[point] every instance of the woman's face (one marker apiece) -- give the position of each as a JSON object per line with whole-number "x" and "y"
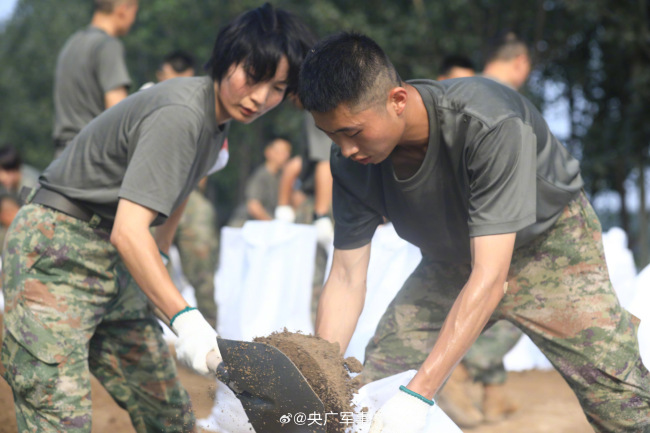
{"x": 240, "y": 99}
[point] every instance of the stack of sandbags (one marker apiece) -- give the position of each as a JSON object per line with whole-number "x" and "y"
{"x": 392, "y": 259}
{"x": 264, "y": 279}
{"x": 620, "y": 264}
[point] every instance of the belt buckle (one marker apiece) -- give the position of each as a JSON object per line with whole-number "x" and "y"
{"x": 95, "y": 221}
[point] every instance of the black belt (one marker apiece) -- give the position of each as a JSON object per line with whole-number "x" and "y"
{"x": 61, "y": 203}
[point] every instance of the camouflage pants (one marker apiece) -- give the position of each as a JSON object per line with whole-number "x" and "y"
{"x": 484, "y": 360}
{"x": 560, "y": 296}
{"x": 198, "y": 246}
{"x": 73, "y": 309}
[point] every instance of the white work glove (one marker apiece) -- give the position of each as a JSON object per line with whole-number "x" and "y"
{"x": 285, "y": 213}
{"x": 324, "y": 231}
{"x": 196, "y": 338}
{"x": 405, "y": 412}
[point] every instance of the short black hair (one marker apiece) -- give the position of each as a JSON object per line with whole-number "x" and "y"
{"x": 106, "y": 6}
{"x": 345, "y": 68}
{"x": 10, "y": 158}
{"x": 274, "y": 139}
{"x": 505, "y": 46}
{"x": 455, "y": 61}
{"x": 179, "y": 60}
{"x": 259, "y": 39}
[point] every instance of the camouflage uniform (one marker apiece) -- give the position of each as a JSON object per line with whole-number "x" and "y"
{"x": 560, "y": 295}
{"x": 198, "y": 246}
{"x": 484, "y": 360}
{"x": 73, "y": 309}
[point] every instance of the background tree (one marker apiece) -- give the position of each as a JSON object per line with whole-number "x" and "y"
{"x": 596, "y": 52}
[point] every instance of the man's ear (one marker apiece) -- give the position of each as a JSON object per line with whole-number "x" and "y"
{"x": 397, "y": 98}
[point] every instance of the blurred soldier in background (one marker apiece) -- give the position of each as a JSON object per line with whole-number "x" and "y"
{"x": 91, "y": 74}
{"x": 455, "y": 66}
{"x": 261, "y": 195}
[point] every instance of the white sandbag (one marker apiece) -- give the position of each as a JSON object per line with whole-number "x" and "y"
{"x": 392, "y": 259}
{"x": 640, "y": 304}
{"x": 375, "y": 394}
{"x": 264, "y": 279}
{"x": 228, "y": 415}
{"x": 620, "y": 264}
{"x": 228, "y": 282}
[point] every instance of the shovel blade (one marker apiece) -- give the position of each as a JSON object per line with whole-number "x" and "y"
{"x": 273, "y": 392}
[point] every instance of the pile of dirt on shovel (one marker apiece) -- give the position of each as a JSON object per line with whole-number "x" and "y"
{"x": 325, "y": 370}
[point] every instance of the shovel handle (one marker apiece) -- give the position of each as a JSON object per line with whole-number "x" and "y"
{"x": 213, "y": 360}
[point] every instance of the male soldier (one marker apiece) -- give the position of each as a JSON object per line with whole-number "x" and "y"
{"x": 81, "y": 264}
{"x": 468, "y": 171}
{"x": 508, "y": 61}
{"x": 455, "y": 66}
{"x": 175, "y": 64}
{"x": 261, "y": 195}
{"x": 91, "y": 73}
{"x": 312, "y": 169}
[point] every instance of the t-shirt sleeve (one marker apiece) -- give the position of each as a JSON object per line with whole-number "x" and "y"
{"x": 162, "y": 162}
{"x": 111, "y": 66}
{"x": 502, "y": 179}
{"x": 354, "y": 222}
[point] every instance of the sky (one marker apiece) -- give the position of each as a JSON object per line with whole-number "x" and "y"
{"x": 6, "y": 8}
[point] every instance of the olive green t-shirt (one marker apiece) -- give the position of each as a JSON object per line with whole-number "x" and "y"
{"x": 264, "y": 186}
{"x": 152, "y": 149}
{"x": 492, "y": 166}
{"x": 90, "y": 64}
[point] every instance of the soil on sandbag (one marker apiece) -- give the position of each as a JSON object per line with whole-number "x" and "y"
{"x": 325, "y": 370}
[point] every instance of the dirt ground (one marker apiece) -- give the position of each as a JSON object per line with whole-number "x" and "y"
{"x": 547, "y": 405}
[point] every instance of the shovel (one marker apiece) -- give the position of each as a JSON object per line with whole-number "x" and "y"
{"x": 274, "y": 393}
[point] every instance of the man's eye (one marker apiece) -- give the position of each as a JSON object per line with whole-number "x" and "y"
{"x": 355, "y": 134}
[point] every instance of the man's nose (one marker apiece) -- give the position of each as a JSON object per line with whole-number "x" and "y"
{"x": 348, "y": 148}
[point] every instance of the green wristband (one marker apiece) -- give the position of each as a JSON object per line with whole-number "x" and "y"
{"x": 416, "y": 395}
{"x": 164, "y": 256}
{"x": 184, "y": 310}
